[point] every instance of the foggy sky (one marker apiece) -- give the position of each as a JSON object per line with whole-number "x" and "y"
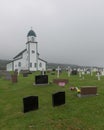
{"x": 68, "y": 31}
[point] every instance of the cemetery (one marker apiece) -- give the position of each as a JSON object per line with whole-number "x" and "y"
{"x": 26, "y": 106}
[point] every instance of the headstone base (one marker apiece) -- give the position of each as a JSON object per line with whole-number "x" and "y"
{"x": 87, "y": 95}
{"x": 39, "y": 84}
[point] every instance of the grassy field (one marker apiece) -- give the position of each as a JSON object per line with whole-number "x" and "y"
{"x": 76, "y": 114}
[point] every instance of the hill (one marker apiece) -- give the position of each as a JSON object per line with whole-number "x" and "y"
{"x": 49, "y": 65}
{"x": 63, "y": 66}
{"x": 3, "y": 64}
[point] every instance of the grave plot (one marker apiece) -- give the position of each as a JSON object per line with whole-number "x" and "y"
{"x": 25, "y": 74}
{"x": 87, "y": 91}
{"x": 60, "y": 82}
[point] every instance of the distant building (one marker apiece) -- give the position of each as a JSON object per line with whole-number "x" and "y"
{"x": 28, "y": 59}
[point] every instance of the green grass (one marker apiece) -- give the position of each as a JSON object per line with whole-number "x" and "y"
{"x": 77, "y": 113}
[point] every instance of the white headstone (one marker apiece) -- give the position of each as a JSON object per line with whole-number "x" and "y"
{"x": 98, "y": 76}
{"x": 80, "y": 74}
{"x": 69, "y": 71}
{"x": 83, "y": 72}
{"x": 102, "y": 73}
{"x": 58, "y": 72}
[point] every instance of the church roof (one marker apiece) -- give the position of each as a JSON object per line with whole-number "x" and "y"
{"x": 42, "y": 60}
{"x": 31, "y": 33}
{"x": 20, "y": 54}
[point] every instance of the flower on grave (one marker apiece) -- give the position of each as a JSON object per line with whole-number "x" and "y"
{"x": 72, "y": 88}
{"x": 78, "y": 90}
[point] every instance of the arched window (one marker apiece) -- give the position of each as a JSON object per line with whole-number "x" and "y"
{"x": 19, "y": 64}
{"x": 30, "y": 64}
{"x": 32, "y": 39}
{"x": 33, "y": 51}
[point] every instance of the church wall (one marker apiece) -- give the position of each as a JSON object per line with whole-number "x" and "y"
{"x": 24, "y": 61}
{"x": 33, "y": 57}
{"x": 41, "y": 65}
{"x": 21, "y": 64}
{"x": 9, "y": 66}
{"x": 16, "y": 64}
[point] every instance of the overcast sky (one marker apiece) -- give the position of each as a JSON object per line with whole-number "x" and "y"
{"x": 68, "y": 31}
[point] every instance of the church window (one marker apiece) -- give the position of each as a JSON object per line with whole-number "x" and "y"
{"x": 32, "y": 39}
{"x": 40, "y": 64}
{"x": 35, "y": 65}
{"x": 33, "y": 51}
{"x": 19, "y": 64}
{"x": 30, "y": 64}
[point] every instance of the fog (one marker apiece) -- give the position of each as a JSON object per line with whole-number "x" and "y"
{"x": 68, "y": 31}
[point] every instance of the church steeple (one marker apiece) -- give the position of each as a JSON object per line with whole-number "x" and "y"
{"x": 31, "y": 36}
{"x": 32, "y": 50}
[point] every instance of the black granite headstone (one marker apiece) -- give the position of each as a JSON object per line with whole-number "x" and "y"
{"x": 30, "y": 103}
{"x": 58, "y": 98}
{"x": 41, "y": 79}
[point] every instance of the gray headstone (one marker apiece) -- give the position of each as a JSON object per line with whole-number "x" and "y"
{"x": 7, "y": 76}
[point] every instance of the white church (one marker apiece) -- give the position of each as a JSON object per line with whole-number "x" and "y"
{"x": 28, "y": 59}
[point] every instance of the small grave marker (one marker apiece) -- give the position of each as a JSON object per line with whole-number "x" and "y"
{"x": 69, "y": 71}
{"x": 98, "y": 75}
{"x": 7, "y": 76}
{"x": 14, "y": 78}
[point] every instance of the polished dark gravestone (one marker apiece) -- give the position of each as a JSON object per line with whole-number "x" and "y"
{"x": 41, "y": 79}
{"x": 30, "y": 103}
{"x": 58, "y": 98}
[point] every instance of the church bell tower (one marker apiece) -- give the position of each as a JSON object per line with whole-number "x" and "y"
{"x": 32, "y": 51}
